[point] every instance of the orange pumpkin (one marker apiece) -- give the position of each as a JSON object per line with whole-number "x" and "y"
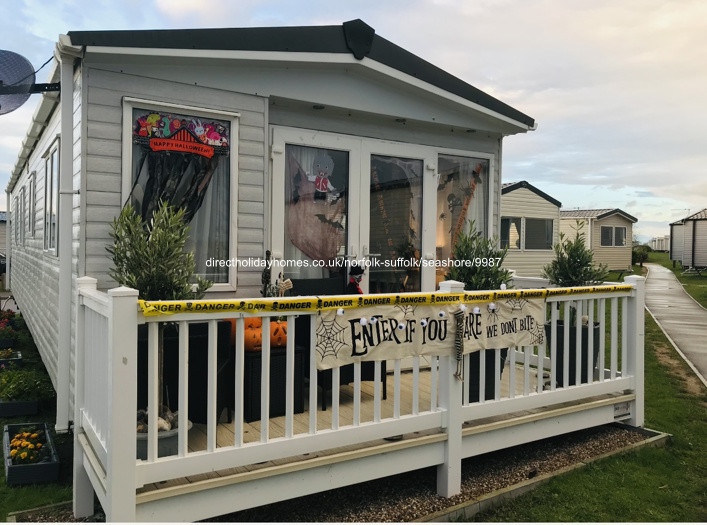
{"x": 253, "y": 333}
{"x": 278, "y": 334}
{"x": 253, "y": 322}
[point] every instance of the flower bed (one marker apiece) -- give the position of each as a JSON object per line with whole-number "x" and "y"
{"x": 30, "y": 454}
{"x": 7, "y": 334}
{"x": 10, "y": 357}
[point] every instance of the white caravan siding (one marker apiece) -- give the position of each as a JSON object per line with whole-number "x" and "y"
{"x": 106, "y": 90}
{"x": 676, "y": 242}
{"x": 695, "y": 252}
{"x": 524, "y": 203}
{"x": 688, "y": 236}
{"x": 34, "y": 271}
{"x": 700, "y": 243}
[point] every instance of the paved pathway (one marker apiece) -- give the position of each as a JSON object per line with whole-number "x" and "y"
{"x": 680, "y": 317}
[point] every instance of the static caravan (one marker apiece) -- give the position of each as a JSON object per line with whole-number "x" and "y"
{"x": 320, "y": 144}
{"x": 677, "y": 241}
{"x": 530, "y": 227}
{"x": 609, "y": 233}
{"x": 660, "y": 244}
{"x": 695, "y": 240}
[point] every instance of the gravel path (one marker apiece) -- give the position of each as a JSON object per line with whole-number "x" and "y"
{"x": 410, "y": 496}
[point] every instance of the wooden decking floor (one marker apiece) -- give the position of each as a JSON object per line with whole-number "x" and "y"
{"x": 301, "y": 422}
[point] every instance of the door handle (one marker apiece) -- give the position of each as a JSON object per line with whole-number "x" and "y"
{"x": 366, "y": 254}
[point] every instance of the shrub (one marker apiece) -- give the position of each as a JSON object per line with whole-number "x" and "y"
{"x": 639, "y": 254}
{"x": 574, "y": 263}
{"x": 484, "y": 271}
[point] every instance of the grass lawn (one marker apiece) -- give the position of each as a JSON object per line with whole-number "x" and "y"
{"x": 648, "y": 485}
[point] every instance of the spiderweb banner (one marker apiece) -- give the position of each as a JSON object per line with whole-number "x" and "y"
{"x": 396, "y": 331}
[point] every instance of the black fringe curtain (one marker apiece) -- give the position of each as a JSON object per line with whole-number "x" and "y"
{"x": 181, "y": 179}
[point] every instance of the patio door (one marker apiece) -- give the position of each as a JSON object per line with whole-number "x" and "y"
{"x": 316, "y": 198}
{"x": 394, "y": 207}
{"x": 395, "y": 231}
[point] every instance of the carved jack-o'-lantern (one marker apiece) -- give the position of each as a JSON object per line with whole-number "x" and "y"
{"x": 278, "y": 334}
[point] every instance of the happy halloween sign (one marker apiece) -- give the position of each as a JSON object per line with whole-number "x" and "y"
{"x": 405, "y": 330}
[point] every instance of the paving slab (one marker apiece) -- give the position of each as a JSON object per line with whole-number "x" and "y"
{"x": 682, "y": 318}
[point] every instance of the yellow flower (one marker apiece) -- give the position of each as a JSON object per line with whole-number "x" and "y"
{"x": 34, "y": 436}
{"x": 13, "y": 453}
{"x": 23, "y": 455}
{"x": 39, "y": 445}
{"x": 30, "y": 446}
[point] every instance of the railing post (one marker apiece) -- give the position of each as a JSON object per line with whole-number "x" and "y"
{"x": 636, "y": 329}
{"x": 449, "y": 473}
{"x": 122, "y": 337}
{"x": 82, "y": 489}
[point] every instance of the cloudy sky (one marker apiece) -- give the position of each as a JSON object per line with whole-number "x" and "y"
{"x": 618, "y": 87}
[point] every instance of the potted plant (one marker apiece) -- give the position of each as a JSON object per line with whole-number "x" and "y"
{"x": 573, "y": 266}
{"x": 30, "y": 454}
{"x": 150, "y": 257}
{"x": 7, "y": 334}
{"x": 471, "y": 245}
{"x": 21, "y": 390}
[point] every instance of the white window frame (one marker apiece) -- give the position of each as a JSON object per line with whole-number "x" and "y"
{"x": 32, "y": 204}
{"x": 51, "y": 185}
{"x": 22, "y": 210}
{"x": 523, "y": 231}
{"x": 130, "y": 103}
{"x": 613, "y": 237}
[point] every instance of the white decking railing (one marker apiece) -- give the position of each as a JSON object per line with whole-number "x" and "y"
{"x": 431, "y": 404}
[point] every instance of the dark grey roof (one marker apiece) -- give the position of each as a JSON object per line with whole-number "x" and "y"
{"x": 596, "y": 214}
{"x": 699, "y": 216}
{"x": 355, "y": 37}
{"x": 512, "y": 186}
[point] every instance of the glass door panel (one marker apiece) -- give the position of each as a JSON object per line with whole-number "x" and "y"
{"x": 395, "y": 226}
{"x": 316, "y": 214}
{"x": 462, "y": 196}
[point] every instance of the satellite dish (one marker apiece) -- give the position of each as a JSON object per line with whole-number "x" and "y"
{"x": 17, "y": 81}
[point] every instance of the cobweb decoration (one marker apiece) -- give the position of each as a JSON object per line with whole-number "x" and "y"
{"x": 537, "y": 335}
{"x": 330, "y": 338}
{"x": 517, "y": 304}
{"x": 406, "y": 309}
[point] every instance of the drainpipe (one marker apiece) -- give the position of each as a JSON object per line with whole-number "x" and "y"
{"x": 8, "y": 237}
{"x": 65, "y": 54}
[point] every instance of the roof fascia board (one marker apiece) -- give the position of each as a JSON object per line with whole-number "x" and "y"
{"x": 530, "y": 187}
{"x": 618, "y": 212}
{"x": 303, "y": 58}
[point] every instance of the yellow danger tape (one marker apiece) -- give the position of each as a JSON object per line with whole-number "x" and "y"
{"x": 280, "y": 305}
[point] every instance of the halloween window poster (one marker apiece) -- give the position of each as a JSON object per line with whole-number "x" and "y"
{"x": 316, "y": 209}
{"x": 462, "y": 195}
{"x": 183, "y": 160}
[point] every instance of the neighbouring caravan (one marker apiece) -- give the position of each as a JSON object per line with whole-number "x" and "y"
{"x": 608, "y": 232}
{"x": 530, "y": 227}
{"x": 695, "y": 240}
